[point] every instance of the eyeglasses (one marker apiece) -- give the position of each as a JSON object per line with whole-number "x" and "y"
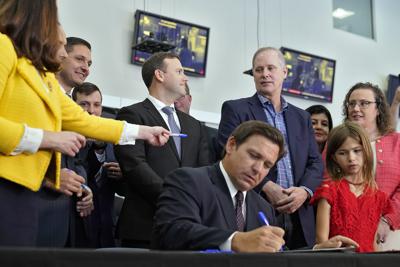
{"x": 363, "y": 104}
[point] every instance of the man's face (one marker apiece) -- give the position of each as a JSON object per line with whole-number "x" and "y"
{"x": 174, "y": 78}
{"x": 249, "y": 163}
{"x": 75, "y": 68}
{"x": 183, "y": 103}
{"x": 268, "y": 73}
{"x": 90, "y": 103}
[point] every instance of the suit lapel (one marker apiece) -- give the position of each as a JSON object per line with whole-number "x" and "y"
{"x": 185, "y": 128}
{"x": 251, "y": 211}
{"x": 223, "y": 197}
{"x": 257, "y": 109}
{"x": 32, "y": 77}
{"x": 291, "y": 119}
{"x": 110, "y": 153}
{"x": 160, "y": 121}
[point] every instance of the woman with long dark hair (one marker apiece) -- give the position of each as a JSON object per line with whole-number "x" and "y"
{"x": 321, "y": 120}
{"x": 37, "y": 121}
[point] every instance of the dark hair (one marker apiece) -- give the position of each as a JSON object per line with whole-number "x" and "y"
{"x": 72, "y": 41}
{"x": 319, "y": 109}
{"x": 250, "y": 128}
{"x": 383, "y": 120}
{"x": 336, "y": 138}
{"x": 156, "y": 61}
{"x": 85, "y": 88}
{"x": 34, "y": 30}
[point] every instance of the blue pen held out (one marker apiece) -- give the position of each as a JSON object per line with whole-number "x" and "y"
{"x": 181, "y": 135}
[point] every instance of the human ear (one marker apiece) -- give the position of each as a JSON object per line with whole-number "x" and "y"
{"x": 230, "y": 145}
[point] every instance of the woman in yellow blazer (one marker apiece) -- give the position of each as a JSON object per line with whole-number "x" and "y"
{"x": 37, "y": 121}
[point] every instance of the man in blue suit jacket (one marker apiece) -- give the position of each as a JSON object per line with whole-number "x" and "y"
{"x": 200, "y": 208}
{"x": 103, "y": 173}
{"x": 292, "y": 182}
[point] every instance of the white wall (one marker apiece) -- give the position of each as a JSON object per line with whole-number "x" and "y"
{"x": 304, "y": 25}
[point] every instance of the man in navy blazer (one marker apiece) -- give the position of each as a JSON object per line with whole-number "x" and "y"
{"x": 200, "y": 208}
{"x": 103, "y": 172}
{"x": 292, "y": 182}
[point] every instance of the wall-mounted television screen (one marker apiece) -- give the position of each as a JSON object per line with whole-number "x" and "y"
{"x": 309, "y": 76}
{"x": 393, "y": 83}
{"x": 155, "y": 33}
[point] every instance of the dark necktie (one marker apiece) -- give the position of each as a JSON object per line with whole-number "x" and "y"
{"x": 173, "y": 127}
{"x": 239, "y": 211}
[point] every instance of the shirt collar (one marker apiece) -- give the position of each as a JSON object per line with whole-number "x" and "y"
{"x": 266, "y": 101}
{"x": 65, "y": 91}
{"x": 231, "y": 187}
{"x": 158, "y": 104}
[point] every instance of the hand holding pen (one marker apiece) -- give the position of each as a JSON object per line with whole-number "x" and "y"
{"x": 263, "y": 219}
{"x": 262, "y": 239}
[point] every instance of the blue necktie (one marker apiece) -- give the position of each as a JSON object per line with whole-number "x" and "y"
{"x": 173, "y": 127}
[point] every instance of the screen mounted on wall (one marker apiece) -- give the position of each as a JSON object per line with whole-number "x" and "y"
{"x": 155, "y": 33}
{"x": 309, "y": 76}
{"x": 393, "y": 83}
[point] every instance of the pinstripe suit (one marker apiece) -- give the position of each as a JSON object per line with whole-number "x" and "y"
{"x": 59, "y": 222}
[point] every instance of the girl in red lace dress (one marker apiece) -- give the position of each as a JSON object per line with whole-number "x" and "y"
{"x": 349, "y": 204}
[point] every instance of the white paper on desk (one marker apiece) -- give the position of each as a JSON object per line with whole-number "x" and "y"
{"x": 341, "y": 249}
{"x": 392, "y": 242}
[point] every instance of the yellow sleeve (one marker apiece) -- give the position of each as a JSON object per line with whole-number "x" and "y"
{"x": 11, "y": 132}
{"x": 75, "y": 119}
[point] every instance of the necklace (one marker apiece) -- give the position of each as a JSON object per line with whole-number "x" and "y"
{"x": 355, "y": 184}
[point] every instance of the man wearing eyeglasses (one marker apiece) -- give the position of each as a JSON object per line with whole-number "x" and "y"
{"x": 144, "y": 167}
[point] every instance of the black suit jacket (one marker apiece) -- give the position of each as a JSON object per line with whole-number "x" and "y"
{"x": 101, "y": 219}
{"x": 195, "y": 210}
{"x": 144, "y": 166}
{"x": 306, "y": 160}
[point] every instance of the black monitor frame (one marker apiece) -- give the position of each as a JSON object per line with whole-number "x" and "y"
{"x": 307, "y": 92}
{"x": 146, "y": 47}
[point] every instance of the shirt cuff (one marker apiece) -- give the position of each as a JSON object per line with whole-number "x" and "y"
{"x": 30, "y": 141}
{"x": 227, "y": 245}
{"x": 309, "y": 191}
{"x": 129, "y": 134}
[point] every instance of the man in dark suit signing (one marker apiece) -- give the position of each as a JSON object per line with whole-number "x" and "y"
{"x": 214, "y": 207}
{"x": 299, "y": 172}
{"x": 144, "y": 167}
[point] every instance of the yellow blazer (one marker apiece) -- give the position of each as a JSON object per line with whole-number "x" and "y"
{"x": 26, "y": 98}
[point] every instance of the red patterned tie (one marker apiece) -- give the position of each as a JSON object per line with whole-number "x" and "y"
{"x": 239, "y": 212}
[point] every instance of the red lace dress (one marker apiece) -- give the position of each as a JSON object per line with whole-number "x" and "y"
{"x": 351, "y": 216}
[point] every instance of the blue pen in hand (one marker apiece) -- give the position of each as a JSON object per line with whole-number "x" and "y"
{"x": 263, "y": 219}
